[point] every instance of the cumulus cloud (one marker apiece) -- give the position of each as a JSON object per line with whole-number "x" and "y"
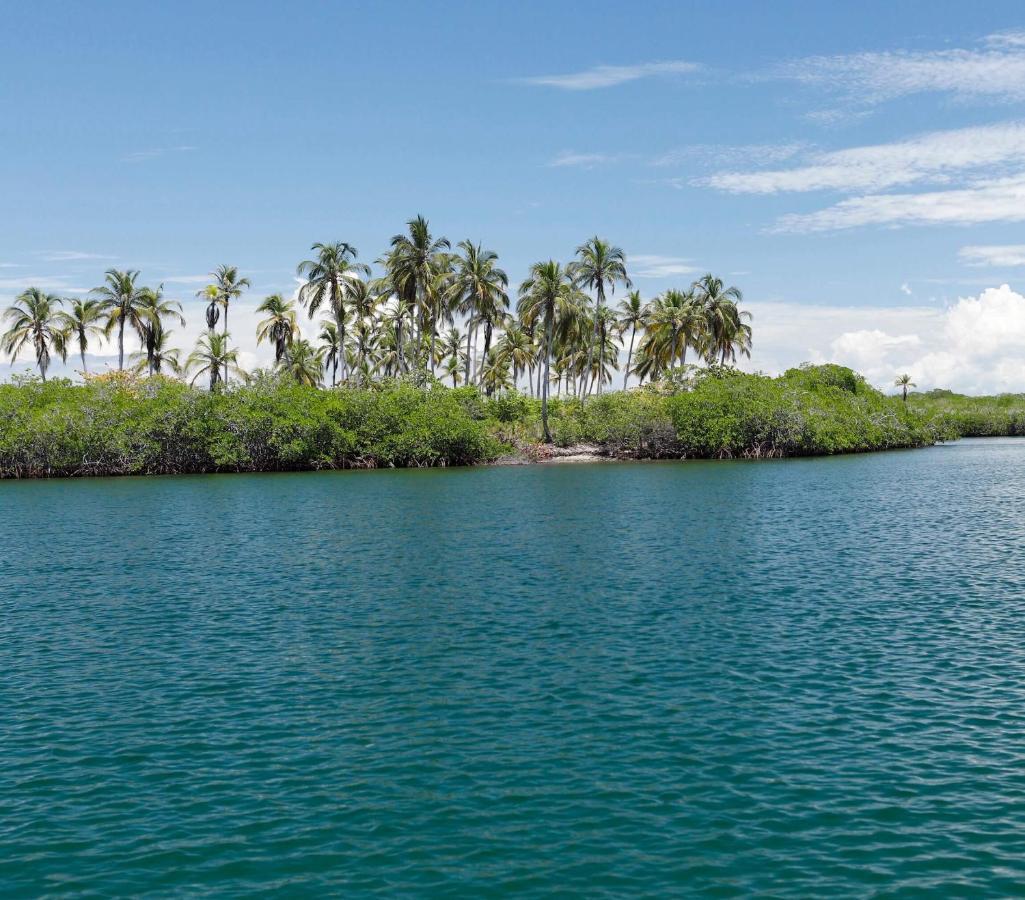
{"x": 610, "y": 76}
{"x": 993, "y": 255}
{"x": 935, "y": 157}
{"x": 977, "y": 345}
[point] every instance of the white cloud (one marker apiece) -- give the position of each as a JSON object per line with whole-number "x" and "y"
{"x": 976, "y": 345}
{"x": 582, "y": 160}
{"x": 905, "y": 288}
{"x": 731, "y": 154}
{"x": 993, "y": 255}
{"x": 652, "y": 265}
{"x": 54, "y": 283}
{"x": 988, "y": 200}
{"x": 609, "y": 76}
{"x": 935, "y": 157}
{"x": 153, "y": 153}
{"x": 996, "y": 72}
{"x": 186, "y": 279}
{"x": 70, "y": 256}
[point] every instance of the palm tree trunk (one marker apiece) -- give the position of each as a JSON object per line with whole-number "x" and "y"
{"x": 544, "y": 388}
{"x": 121, "y": 345}
{"x": 629, "y": 358}
{"x": 598, "y": 303}
{"x": 469, "y": 331}
{"x": 225, "y": 337}
{"x": 85, "y": 368}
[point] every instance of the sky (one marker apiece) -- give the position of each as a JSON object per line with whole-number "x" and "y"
{"x": 858, "y": 170}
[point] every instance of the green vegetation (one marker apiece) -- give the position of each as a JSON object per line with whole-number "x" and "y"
{"x": 957, "y": 414}
{"x": 125, "y": 424}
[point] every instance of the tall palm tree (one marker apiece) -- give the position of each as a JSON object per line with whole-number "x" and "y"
{"x": 35, "y": 318}
{"x": 214, "y": 356}
{"x": 479, "y": 292}
{"x": 81, "y": 322}
{"x": 280, "y": 326}
{"x": 599, "y": 264}
{"x": 904, "y": 382}
{"x": 122, "y": 301}
{"x": 153, "y": 309}
{"x": 633, "y": 314}
{"x": 230, "y": 286}
{"x": 418, "y": 258}
{"x": 303, "y": 362}
{"x": 727, "y": 330}
{"x": 329, "y": 279}
{"x": 546, "y": 295}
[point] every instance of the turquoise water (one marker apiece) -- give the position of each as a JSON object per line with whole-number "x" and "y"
{"x": 796, "y": 678}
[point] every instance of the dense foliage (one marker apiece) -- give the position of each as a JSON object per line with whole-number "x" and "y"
{"x": 1003, "y": 414}
{"x": 122, "y": 424}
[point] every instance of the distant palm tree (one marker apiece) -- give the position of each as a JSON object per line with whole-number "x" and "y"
{"x": 154, "y": 309}
{"x": 280, "y": 327}
{"x": 331, "y": 347}
{"x": 81, "y": 323}
{"x": 727, "y": 331}
{"x": 417, "y": 259}
{"x": 546, "y": 296}
{"x": 229, "y": 287}
{"x": 157, "y": 355}
{"x": 122, "y": 301}
{"x": 303, "y": 362}
{"x": 676, "y": 322}
{"x": 35, "y": 318}
{"x": 904, "y": 382}
{"x": 329, "y": 279}
{"x": 213, "y": 309}
{"x": 633, "y": 313}
{"x": 213, "y": 356}
{"x": 479, "y": 291}
{"x": 515, "y": 350}
{"x": 599, "y": 263}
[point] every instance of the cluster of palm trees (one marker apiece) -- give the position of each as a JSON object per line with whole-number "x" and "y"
{"x": 432, "y": 310}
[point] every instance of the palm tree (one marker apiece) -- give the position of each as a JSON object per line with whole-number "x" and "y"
{"x": 153, "y": 309}
{"x": 546, "y": 296}
{"x": 122, "y": 301}
{"x": 330, "y": 279}
{"x": 158, "y": 353}
{"x": 633, "y": 313}
{"x": 727, "y": 328}
{"x": 599, "y": 264}
{"x": 303, "y": 362}
{"x": 80, "y": 323}
{"x": 229, "y": 287}
{"x": 280, "y": 326}
{"x": 35, "y": 318}
{"x": 515, "y": 350}
{"x": 418, "y": 259}
{"x": 676, "y": 322}
{"x": 904, "y": 382}
{"x": 215, "y": 357}
{"x": 213, "y": 310}
{"x": 479, "y": 292}
{"x": 495, "y": 374}
{"x": 331, "y": 347}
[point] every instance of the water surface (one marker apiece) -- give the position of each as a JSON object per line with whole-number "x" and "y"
{"x": 797, "y": 678}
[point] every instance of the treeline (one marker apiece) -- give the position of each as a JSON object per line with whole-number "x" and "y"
{"x": 426, "y": 310}
{"x": 121, "y": 425}
{"x": 995, "y": 416}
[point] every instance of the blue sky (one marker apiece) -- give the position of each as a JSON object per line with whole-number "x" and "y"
{"x": 858, "y": 170}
